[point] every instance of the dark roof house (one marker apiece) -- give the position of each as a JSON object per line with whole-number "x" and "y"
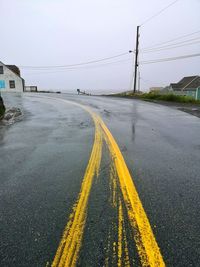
{"x": 187, "y": 83}
{"x": 14, "y": 69}
{"x": 188, "y": 86}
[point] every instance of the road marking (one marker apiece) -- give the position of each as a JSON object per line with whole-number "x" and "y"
{"x": 147, "y": 246}
{"x": 69, "y": 247}
{"x": 148, "y": 250}
{"x": 116, "y": 203}
{"x": 113, "y": 186}
{"x": 126, "y": 259}
{"x": 120, "y": 234}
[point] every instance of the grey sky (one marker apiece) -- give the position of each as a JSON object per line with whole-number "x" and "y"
{"x": 62, "y": 32}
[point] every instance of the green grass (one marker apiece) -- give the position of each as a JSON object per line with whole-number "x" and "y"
{"x": 156, "y": 96}
{"x": 170, "y": 97}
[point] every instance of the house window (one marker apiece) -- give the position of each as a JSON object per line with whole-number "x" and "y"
{"x": 12, "y": 84}
{"x": 1, "y": 69}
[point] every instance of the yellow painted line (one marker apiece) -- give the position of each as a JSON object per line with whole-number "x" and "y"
{"x": 114, "y": 251}
{"x": 123, "y": 254}
{"x": 108, "y": 251}
{"x": 126, "y": 259}
{"x": 69, "y": 247}
{"x": 121, "y": 244}
{"x": 120, "y": 234}
{"x": 146, "y": 244}
{"x": 113, "y": 186}
{"x": 122, "y": 239}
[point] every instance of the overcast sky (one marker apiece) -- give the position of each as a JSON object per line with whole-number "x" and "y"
{"x": 64, "y": 32}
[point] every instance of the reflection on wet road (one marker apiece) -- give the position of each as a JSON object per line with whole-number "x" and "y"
{"x": 69, "y": 198}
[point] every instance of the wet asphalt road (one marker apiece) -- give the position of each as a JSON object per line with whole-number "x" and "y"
{"x": 43, "y": 159}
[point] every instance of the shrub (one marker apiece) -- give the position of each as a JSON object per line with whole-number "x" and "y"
{"x": 170, "y": 97}
{"x": 2, "y": 107}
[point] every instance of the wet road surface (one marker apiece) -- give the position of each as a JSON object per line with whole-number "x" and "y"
{"x": 64, "y": 199}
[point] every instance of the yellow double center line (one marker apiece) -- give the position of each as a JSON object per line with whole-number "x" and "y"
{"x": 69, "y": 247}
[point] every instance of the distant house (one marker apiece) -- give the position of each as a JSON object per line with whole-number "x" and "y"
{"x": 30, "y": 88}
{"x": 155, "y": 89}
{"x": 10, "y": 78}
{"x": 166, "y": 90}
{"x": 188, "y": 86}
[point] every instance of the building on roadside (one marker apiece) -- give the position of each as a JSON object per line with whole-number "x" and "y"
{"x": 30, "y": 88}
{"x": 155, "y": 89}
{"x": 188, "y": 86}
{"x": 10, "y": 79}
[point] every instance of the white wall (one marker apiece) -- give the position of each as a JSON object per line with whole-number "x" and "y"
{"x": 9, "y": 75}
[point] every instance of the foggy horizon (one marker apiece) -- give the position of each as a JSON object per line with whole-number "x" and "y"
{"x": 48, "y": 33}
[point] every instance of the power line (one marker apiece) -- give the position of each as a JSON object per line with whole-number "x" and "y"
{"x": 43, "y": 71}
{"x": 80, "y": 67}
{"x": 171, "y": 40}
{"x": 149, "y": 81}
{"x": 158, "y": 13}
{"x": 156, "y": 83}
{"x": 73, "y": 65}
{"x": 169, "y": 59}
{"x": 169, "y": 47}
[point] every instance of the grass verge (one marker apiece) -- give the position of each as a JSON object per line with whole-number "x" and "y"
{"x": 162, "y": 97}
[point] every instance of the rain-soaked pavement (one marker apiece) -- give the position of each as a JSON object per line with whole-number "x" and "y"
{"x": 43, "y": 158}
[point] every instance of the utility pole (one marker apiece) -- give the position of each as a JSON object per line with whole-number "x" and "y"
{"x": 136, "y": 59}
{"x": 138, "y": 81}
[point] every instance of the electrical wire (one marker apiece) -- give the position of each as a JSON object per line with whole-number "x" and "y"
{"x": 155, "y": 82}
{"x": 73, "y": 65}
{"x": 186, "y": 42}
{"x": 77, "y": 68}
{"x": 158, "y": 13}
{"x": 169, "y": 59}
{"x": 170, "y": 47}
{"x": 171, "y": 40}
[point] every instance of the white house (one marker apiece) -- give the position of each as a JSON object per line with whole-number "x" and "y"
{"x": 10, "y": 79}
{"x": 155, "y": 89}
{"x": 30, "y": 88}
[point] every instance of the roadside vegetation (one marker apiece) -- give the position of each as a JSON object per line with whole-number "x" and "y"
{"x": 170, "y": 97}
{"x": 152, "y": 96}
{"x": 2, "y": 108}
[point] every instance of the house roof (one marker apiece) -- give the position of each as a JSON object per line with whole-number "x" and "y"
{"x": 187, "y": 83}
{"x": 14, "y": 69}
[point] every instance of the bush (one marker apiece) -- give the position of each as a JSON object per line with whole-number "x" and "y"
{"x": 2, "y": 107}
{"x": 170, "y": 97}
